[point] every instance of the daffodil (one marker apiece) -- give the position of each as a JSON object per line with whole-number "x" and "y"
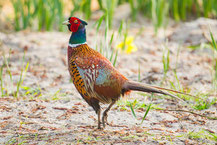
{"x": 128, "y": 47}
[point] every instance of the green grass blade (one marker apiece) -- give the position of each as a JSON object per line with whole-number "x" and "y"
{"x": 146, "y": 113}
{"x": 120, "y": 28}
{"x": 6, "y": 62}
{"x": 207, "y": 6}
{"x": 176, "y": 10}
{"x": 116, "y": 56}
{"x": 183, "y": 9}
{"x": 101, "y": 4}
{"x": 215, "y": 59}
{"x": 22, "y": 76}
{"x": 111, "y": 40}
{"x": 99, "y": 22}
{"x": 110, "y": 43}
{"x": 133, "y": 9}
{"x": 213, "y": 41}
{"x": 111, "y": 56}
{"x": 132, "y": 110}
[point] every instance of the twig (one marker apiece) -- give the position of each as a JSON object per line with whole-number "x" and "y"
{"x": 180, "y": 110}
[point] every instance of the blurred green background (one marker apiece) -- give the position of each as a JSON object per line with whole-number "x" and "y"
{"x": 47, "y": 15}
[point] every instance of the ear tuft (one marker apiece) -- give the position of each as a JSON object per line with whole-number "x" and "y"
{"x": 83, "y": 22}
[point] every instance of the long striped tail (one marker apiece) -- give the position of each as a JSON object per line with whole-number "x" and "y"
{"x": 136, "y": 86}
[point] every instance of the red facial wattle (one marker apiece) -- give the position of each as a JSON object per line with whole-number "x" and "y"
{"x": 74, "y": 24}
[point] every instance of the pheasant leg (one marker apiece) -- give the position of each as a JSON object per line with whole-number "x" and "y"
{"x": 105, "y": 115}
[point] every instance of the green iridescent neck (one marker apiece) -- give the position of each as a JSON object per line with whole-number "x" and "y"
{"x": 78, "y": 37}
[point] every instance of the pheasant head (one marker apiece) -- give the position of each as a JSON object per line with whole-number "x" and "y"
{"x": 77, "y": 27}
{"x": 74, "y": 24}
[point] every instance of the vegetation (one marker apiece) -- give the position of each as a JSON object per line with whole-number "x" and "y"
{"x": 214, "y": 46}
{"x": 48, "y": 15}
{"x": 7, "y": 87}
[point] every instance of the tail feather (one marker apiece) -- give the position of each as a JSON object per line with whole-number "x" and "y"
{"x": 173, "y": 91}
{"x": 130, "y": 85}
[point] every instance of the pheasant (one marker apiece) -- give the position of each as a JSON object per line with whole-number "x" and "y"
{"x": 94, "y": 76}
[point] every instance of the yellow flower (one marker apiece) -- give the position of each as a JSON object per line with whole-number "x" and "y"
{"x": 129, "y": 46}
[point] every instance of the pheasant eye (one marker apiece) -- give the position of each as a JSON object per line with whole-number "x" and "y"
{"x": 75, "y": 21}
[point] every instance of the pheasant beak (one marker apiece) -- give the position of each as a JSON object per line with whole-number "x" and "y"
{"x": 66, "y": 22}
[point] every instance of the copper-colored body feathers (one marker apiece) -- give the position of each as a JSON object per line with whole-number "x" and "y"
{"x": 94, "y": 76}
{"x": 98, "y": 81}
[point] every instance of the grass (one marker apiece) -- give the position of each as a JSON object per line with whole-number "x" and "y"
{"x": 166, "y": 61}
{"x": 202, "y": 134}
{"x": 105, "y": 45}
{"x": 210, "y": 45}
{"x": 57, "y": 94}
{"x": 7, "y": 87}
{"x": 141, "y": 106}
{"x": 203, "y": 104}
{"x": 134, "y": 105}
{"x": 198, "y": 102}
{"x": 31, "y": 92}
{"x": 48, "y": 15}
{"x": 146, "y": 112}
{"x": 22, "y": 76}
{"x": 38, "y": 14}
{"x": 159, "y": 12}
{"x": 215, "y": 60}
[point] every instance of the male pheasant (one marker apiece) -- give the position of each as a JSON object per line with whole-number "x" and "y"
{"x": 94, "y": 76}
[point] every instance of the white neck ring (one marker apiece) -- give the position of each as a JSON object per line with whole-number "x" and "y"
{"x": 76, "y": 45}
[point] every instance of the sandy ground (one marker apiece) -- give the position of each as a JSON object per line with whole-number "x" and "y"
{"x": 54, "y": 113}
